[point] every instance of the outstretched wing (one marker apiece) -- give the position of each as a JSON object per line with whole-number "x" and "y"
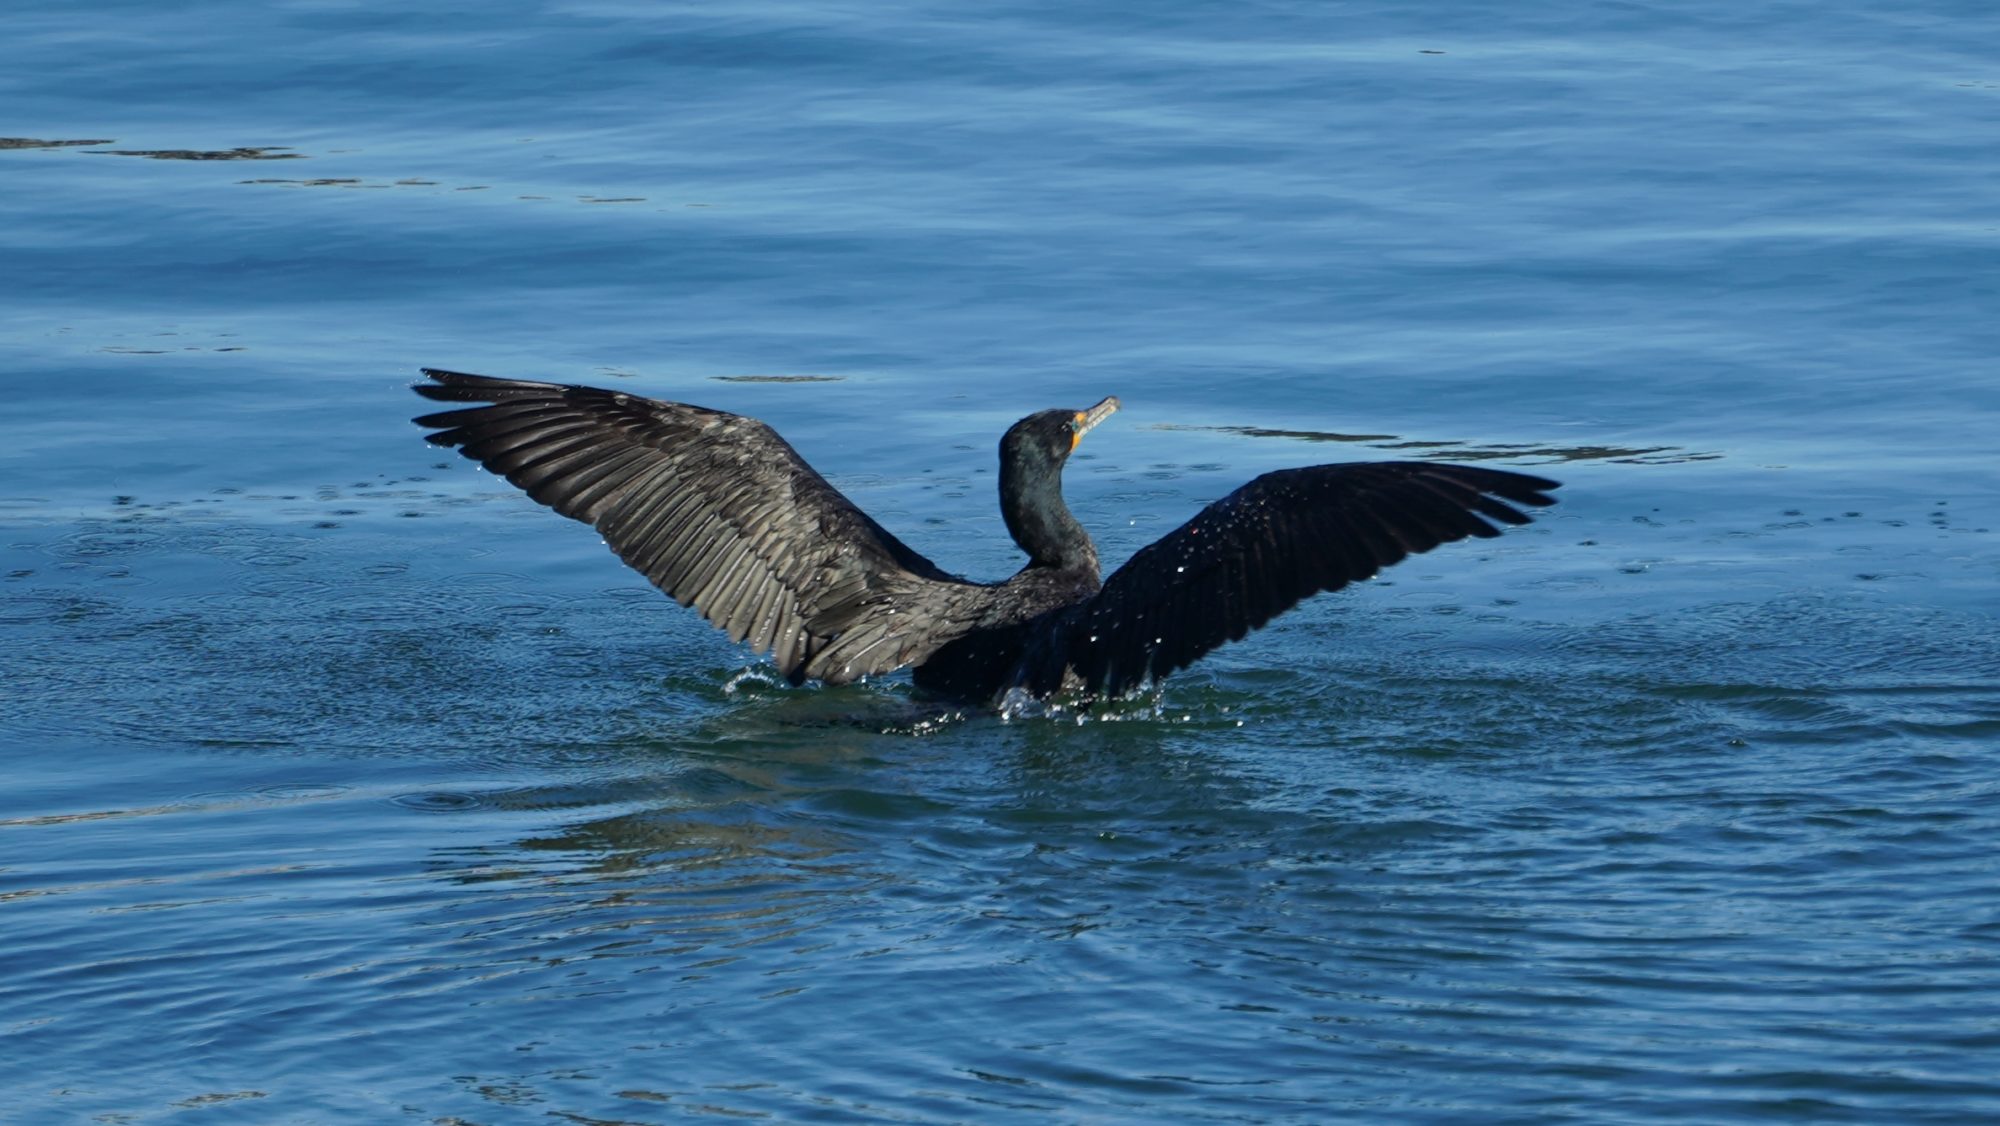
{"x": 715, "y": 509}
{"x": 1255, "y": 553}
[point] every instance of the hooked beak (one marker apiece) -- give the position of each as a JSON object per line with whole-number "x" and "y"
{"x": 1086, "y": 420}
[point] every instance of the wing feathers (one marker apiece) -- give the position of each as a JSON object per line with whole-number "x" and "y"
{"x": 1255, "y": 553}
{"x": 714, "y": 509}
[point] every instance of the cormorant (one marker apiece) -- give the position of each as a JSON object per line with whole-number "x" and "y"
{"x": 722, "y": 514}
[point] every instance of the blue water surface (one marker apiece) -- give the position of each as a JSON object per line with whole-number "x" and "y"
{"x": 344, "y": 784}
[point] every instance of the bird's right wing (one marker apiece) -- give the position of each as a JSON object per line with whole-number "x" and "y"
{"x": 1256, "y": 552}
{"x": 715, "y": 509}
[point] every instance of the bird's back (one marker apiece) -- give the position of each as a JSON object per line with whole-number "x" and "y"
{"x": 987, "y": 658}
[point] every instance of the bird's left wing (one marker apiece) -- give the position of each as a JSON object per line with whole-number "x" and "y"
{"x": 716, "y": 510}
{"x": 1256, "y": 552}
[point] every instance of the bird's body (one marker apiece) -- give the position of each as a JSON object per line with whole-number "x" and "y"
{"x": 718, "y": 511}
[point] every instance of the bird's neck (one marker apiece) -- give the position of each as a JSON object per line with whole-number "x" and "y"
{"x": 1032, "y": 504}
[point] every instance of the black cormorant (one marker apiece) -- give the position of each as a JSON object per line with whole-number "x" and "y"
{"x": 722, "y": 514}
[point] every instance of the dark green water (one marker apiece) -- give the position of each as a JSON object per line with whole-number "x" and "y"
{"x": 343, "y": 784}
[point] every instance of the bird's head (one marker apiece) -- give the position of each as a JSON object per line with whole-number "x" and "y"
{"x": 1045, "y": 439}
{"x": 1032, "y": 454}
